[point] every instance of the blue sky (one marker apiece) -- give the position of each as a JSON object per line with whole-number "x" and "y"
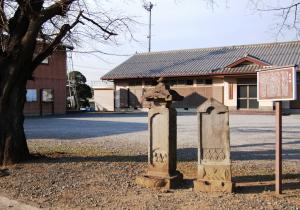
{"x": 182, "y": 24}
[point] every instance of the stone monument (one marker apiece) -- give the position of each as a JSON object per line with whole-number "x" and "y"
{"x": 162, "y": 126}
{"x": 214, "y": 165}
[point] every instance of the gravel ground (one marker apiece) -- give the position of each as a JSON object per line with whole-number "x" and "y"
{"x": 90, "y": 161}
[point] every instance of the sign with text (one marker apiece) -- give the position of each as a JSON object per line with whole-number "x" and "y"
{"x": 277, "y": 84}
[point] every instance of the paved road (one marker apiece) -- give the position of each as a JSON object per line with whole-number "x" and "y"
{"x": 251, "y": 134}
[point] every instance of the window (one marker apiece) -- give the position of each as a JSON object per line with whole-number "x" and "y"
{"x": 135, "y": 83}
{"x": 208, "y": 81}
{"x": 181, "y": 82}
{"x": 150, "y": 83}
{"x": 204, "y": 81}
{"x": 31, "y": 95}
{"x": 45, "y": 61}
{"x": 200, "y": 81}
{"x": 171, "y": 82}
{"x": 189, "y": 82}
{"x": 298, "y": 77}
{"x": 247, "y": 97}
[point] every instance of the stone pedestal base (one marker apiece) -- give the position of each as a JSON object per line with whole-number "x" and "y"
{"x": 171, "y": 182}
{"x": 201, "y": 185}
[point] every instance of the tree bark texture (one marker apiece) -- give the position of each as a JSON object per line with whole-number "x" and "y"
{"x": 22, "y": 36}
{"x": 16, "y": 67}
{"x": 13, "y": 145}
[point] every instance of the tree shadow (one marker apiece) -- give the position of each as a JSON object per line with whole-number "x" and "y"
{"x": 187, "y": 154}
{"x": 183, "y": 155}
{"x": 190, "y": 154}
{"x": 265, "y": 144}
{"x": 133, "y": 100}
{"x": 97, "y": 114}
{"x": 191, "y": 101}
{"x": 60, "y": 157}
{"x": 261, "y": 183}
{"x": 264, "y": 178}
{"x": 287, "y": 154}
{"x": 264, "y": 130}
{"x": 76, "y": 128}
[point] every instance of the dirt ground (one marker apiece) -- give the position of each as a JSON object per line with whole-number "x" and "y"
{"x": 93, "y": 165}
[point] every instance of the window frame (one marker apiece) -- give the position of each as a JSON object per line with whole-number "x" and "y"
{"x": 247, "y": 98}
{"x": 204, "y": 82}
{"x": 36, "y": 95}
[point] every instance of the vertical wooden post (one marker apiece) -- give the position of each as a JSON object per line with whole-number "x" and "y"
{"x": 52, "y": 103}
{"x": 278, "y": 160}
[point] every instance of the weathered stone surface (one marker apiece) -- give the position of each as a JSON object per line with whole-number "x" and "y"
{"x": 214, "y": 165}
{"x": 160, "y": 95}
{"x": 157, "y": 182}
{"x": 213, "y": 186}
{"x": 162, "y": 126}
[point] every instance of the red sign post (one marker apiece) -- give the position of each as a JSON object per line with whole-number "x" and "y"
{"x": 277, "y": 84}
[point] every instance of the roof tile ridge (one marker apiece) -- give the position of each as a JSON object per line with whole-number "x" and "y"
{"x": 222, "y": 47}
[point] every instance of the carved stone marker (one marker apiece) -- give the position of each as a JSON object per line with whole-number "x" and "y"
{"x": 214, "y": 165}
{"x": 162, "y": 146}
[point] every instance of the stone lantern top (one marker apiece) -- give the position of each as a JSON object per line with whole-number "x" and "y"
{"x": 161, "y": 94}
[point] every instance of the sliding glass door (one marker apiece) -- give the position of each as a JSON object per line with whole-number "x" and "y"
{"x": 247, "y": 97}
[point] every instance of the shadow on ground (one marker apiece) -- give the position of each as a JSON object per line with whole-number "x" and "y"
{"x": 67, "y": 158}
{"x": 287, "y": 154}
{"x": 92, "y": 115}
{"x": 183, "y": 155}
{"x": 261, "y": 183}
{"x": 265, "y": 144}
{"x": 190, "y": 154}
{"x": 69, "y": 128}
{"x": 264, "y": 130}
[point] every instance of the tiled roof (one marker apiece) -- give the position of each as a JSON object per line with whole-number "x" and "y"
{"x": 238, "y": 70}
{"x": 205, "y": 61}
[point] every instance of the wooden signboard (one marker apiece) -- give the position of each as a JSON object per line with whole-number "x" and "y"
{"x": 277, "y": 84}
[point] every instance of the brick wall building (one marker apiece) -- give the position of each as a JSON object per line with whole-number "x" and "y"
{"x": 46, "y": 94}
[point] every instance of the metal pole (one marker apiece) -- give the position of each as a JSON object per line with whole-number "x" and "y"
{"x": 150, "y": 17}
{"x": 149, "y": 7}
{"x": 278, "y": 159}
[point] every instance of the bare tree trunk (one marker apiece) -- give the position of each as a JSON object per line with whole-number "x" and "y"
{"x": 13, "y": 145}
{"x": 77, "y": 100}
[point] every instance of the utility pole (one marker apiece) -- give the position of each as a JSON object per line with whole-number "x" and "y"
{"x": 148, "y": 7}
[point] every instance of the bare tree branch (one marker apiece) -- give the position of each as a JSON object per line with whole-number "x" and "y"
{"x": 57, "y": 41}
{"x": 287, "y": 15}
{"x": 110, "y": 33}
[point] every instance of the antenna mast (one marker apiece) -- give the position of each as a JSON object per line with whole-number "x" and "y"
{"x": 148, "y": 7}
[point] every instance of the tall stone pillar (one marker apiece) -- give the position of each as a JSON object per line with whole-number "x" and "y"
{"x": 162, "y": 146}
{"x": 214, "y": 165}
